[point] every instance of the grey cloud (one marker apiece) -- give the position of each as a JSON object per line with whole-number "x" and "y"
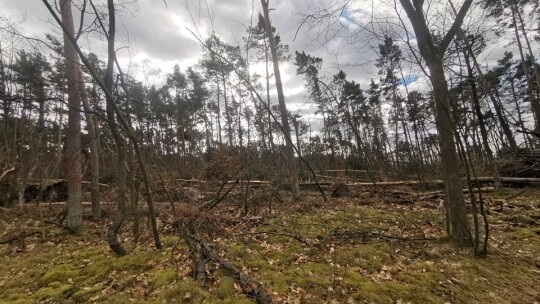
{"x": 155, "y": 33}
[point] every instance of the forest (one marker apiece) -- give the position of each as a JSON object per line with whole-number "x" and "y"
{"x": 270, "y": 169}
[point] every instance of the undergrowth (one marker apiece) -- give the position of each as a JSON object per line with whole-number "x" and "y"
{"x": 338, "y": 253}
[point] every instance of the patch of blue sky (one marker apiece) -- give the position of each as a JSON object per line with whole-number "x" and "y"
{"x": 345, "y": 14}
{"x": 407, "y": 80}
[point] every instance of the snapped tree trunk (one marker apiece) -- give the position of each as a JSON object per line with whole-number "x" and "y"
{"x": 73, "y": 136}
{"x": 281, "y": 99}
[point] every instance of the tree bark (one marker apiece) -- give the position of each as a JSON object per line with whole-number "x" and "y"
{"x": 281, "y": 99}
{"x": 480, "y": 116}
{"x": 94, "y": 156}
{"x": 114, "y": 228}
{"x": 456, "y": 212}
{"x": 73, "y": 136}
{"x": 535, "y": 103}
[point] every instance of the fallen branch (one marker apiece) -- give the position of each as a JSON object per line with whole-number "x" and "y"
{"x": 18, "y": 236}
{"x": 366, "y": 234}
{"x": 515, "y": 194}
{"x": 201, "y": 252}
{"x": 6, "y": 172}
{"x": 249, "y": 286}
{"x": 211, "y": 204}
{"x": 197, "y": 255}
{"x": 299, "y": 239}
{"x": 436, "y": 194}
{"x": 37, "y": 219}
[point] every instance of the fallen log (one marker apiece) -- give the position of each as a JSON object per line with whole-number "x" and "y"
{"x": 437, "y": 194}
{"x": 356, "y": 182}
{"x": 341, "y": 170}
{"x": 201, "y": 253}
{"x": 191, "y": 181}
{"x": 347, "y": 179}
{"x": 482, "y": 190}
{"x": 397, "y": 183}
{"x": 311, "y": 184}
{"x": 99, "y": 184}
{"x": 484, "y": 179}
{"x": 510, "y": 180}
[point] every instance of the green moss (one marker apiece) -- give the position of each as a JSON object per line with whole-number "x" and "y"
{"x": 162, "y": 277}
{"x": 392, "y": 292}
{"x": 312, "y": 276}
{"x": 369, "y": 257}
{"x": 420, "y": 274}
{"x": 277, "y": 281}
{"x": 353, "y": 279}
{"x": 60, "y": 273}
{"x": 250, "y": 254}
{"x": 236, "y": 300}
{"x": 125, "y": 299}
{"x": 185, "y": 291}
{"x": 93, "y": 255}
{"x": 99, "y": 269}
{"x": 19, "y": 298}
{"x": 225, "y": 288}
{"x": 237, "y": 250}
{"x": 133, "y": 261}
{"x": 55, "y": 292}
{"x": 170, "y": 240}
{"x": 374, "y": 293}
{"x": 85, "y": 293}
{"x": 520, "y": 219}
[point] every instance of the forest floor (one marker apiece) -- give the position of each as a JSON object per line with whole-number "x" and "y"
{"x": 376, "y": 246}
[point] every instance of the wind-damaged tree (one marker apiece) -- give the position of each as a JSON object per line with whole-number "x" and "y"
{"x": 73, "y": 140}
{"x": 281, "y": 99}
{"x": 433, "y": 52}
{"x": 258, "y": 39}
{"x": 121, "y": 147}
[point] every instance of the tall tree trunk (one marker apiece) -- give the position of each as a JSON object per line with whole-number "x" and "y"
{"x": 227, "y": 114}
{"x": 496, "y": 103}
{"x": 456, "y": 212}
{"x": 535, "y": 103}
{"x": 270, "y": 136}
{"x": 114, "y": 229}
{"x": 94, "y": 156}
{"x": 515, "y": 99}
{"x": 457, "y": 222}
{"x": 281, "y": 99}
{"x": 480, "y": 116}
{"x": 218, "y": 113}
{"x": 73, "y": 134}
{"x": 180, "y": 130}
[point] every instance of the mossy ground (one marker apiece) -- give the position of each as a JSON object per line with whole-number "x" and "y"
{"x": 302, "y": 254}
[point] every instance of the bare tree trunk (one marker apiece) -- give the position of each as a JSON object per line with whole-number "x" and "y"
{"x": 458, "y": 224}
{"x": 496, "y": 103}
{"x": 535, "y": 103}
{"x": 270, "y": 136}
{"x": 94, "y": 156}
{"x": 227, "y": 114}
{"x": 478, "y": 111}
{"x": 110, "y": 101}
{"x": 218, "y": 113}
{"x": 114, "y": 228}
{"x": 282, "y": 107}
{"x": 456, "y": 212}
{"x": 73, "y": 140}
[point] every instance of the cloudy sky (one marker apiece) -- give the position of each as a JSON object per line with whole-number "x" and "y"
{"x": 155, "y": 35}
